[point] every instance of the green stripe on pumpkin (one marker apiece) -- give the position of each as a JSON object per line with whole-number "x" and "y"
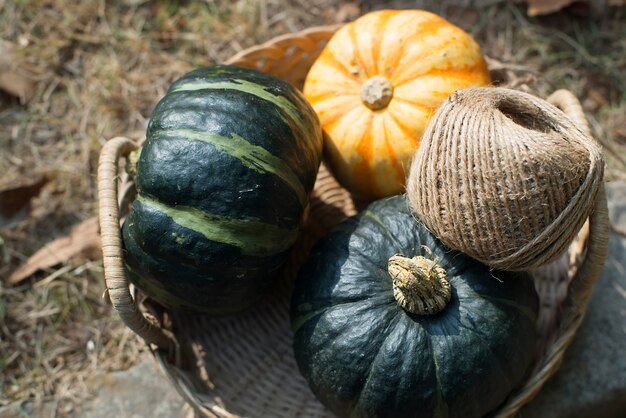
{"x": 252, "y": 156}
{"x": 247, "y": 87}
{"x": 254, "y": 238}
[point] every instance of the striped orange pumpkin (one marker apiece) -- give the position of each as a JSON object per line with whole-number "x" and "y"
{"x": 375, "y": 86}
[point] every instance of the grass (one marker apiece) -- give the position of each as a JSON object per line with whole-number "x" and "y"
{"x": 100, "y": 67}
{"x": 582, "y": 50}
{"x": 56, "y": 335}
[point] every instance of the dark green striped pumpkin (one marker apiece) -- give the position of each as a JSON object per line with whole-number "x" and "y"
{"x": 369, "y": 347}
{"x": 223, "y": 182}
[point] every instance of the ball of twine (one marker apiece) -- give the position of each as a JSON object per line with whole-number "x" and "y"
{"x": 504, "y": 177}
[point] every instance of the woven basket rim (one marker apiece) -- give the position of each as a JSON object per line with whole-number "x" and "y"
{"x": 164, "y": 344}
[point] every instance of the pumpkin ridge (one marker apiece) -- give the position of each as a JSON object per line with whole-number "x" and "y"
{"x": 283, "y": 103}
{"x": 252, "y": 156}
{"x": 525, "y": 310}
{"x": 405, "y": 130}
{"x": 388, "y": 331}
{"x": 173, "y": 289}
{"x": 334, "y": 124}
{"x": 329, "y": 94}
{"x": 448, "y": 349}
{"x": 188, "y": 110}
{"x": 249, "y": 235}
{"x": 430, "y": 365}
{"x": 328, "y": 58}
{"x": 331, "y": 121}
{"x": 145, "y": 242}
{"x": 379, "y": 30}
{"x": 487, "y": 347}
{"x": 223, "y": 182}
{"x": 441, "y": 408}
{"x": 415, "y": 103}
{"x": 425, "y": 27}
{"x": 478, "y": 312}
{"x": 362, "y": 168}
{"x": 153, "y": 288}
{"x": 392, "y": 159}
{"x": 431, "y": 29}
{"x": 298, "y": 321}
{"x": 385, "y": 50}
{"x": 357, "y": 54}
{"x": 371, "y": 215}
{"x": 244, "y": 86}
{"x": 398, "y": 57}
{"x": 370, "y": 261}
{"x": 463, "y": 73}
{"x": 338, "y": 302}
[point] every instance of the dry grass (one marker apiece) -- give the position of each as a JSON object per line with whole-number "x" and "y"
{"x": 100, "y": 69}
{"x": 585, "y": 53}
{"x": 102, "y": 66}
{"x": 56, "y": 335}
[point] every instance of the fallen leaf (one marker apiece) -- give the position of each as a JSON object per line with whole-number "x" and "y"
{"x": 542, "y": 7}
{"x": 83, "y": 243}
{"x": 15, "y": 80}
{"x": 16, "y": 195}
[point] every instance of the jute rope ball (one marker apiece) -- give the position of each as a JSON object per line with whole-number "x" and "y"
{"x": 504, "y": 177}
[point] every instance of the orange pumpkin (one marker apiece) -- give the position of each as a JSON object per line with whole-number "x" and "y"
{"x": 375, "y": 86}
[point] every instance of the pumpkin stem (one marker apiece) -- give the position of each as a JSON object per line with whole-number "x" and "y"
{"x": 376, "y": 92}
{"x": 420, "y": 285}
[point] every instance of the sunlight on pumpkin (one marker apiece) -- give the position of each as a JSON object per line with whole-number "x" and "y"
{"x": 424, "y": 58}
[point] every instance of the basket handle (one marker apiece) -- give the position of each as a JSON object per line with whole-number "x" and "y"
{"x": 116, "y": 279}
{"x": 597, "y": 245}
{"x": 581, "y": 284}
{"x": 307, "y": 41}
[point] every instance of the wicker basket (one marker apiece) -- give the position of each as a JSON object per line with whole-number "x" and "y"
{"x": 243, "y": 365}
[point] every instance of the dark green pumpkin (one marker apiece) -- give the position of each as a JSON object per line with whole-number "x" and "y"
{"x": 223, "y": 181}
{"x": 365, "y": 356}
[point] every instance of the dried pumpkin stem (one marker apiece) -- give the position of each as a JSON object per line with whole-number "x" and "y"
{"x": 376, "y": 92}
{"x": 420, "y": 285}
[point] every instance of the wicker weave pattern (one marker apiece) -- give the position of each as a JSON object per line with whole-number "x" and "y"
{"x": 288, "y": 56}
{"x": 243, "y": 365}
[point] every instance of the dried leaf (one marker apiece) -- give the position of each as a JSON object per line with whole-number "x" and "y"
{"x": 14, "y": 80}
{"x": 16, "y": 195}
{"x": 542, "y": 7}
{"x": 83, "y": 243}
